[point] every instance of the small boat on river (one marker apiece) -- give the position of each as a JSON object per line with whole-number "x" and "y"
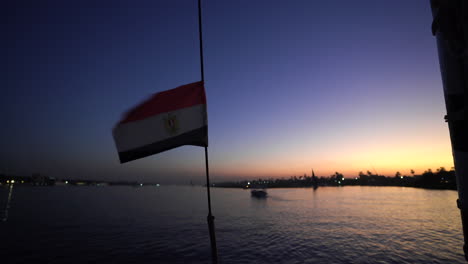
{"x": 259, "y": 193}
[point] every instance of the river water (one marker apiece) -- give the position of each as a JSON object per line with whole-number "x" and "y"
{"x": 167, "y": 224}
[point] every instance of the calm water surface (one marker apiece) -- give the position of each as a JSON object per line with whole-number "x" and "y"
{"x": 168, "y": 225}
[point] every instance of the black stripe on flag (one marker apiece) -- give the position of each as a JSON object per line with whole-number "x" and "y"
{"x": 197, "y": 137}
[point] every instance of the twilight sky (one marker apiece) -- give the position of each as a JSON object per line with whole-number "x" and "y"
{"x": 332, "y": 85}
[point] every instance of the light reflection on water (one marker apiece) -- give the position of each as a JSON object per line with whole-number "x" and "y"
{"x": 7, "y": 204}
{"x": 167, "y": 225}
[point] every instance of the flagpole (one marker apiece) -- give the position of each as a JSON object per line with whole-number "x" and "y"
{"x": 201, "y": 41}
{"x": 210, "y": 217}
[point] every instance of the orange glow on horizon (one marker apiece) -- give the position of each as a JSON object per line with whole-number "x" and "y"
{"x": 386, "y": 160}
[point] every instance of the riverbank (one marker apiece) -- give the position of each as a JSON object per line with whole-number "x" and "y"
{"x": 441, "y": 180}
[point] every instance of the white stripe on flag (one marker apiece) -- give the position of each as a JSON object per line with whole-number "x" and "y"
{"x": 139, "y": 133}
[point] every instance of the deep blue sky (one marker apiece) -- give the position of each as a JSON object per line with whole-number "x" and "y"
{"x": 334, "y": 85}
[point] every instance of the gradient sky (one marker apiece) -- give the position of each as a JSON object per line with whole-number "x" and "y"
{"x": 332, "y": 85}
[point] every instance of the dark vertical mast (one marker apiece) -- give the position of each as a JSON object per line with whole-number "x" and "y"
{"x": 450, "y": 26}
{"x": 210, "y": 217}
{"x": 202, "y": 72}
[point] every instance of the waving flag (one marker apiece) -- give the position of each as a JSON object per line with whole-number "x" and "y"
{"x": 167, "y": 120}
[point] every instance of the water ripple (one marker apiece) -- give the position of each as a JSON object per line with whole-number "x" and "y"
{"x": 331, "y": 225}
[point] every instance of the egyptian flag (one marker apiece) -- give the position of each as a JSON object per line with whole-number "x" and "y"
{"x": 167, "y": 120}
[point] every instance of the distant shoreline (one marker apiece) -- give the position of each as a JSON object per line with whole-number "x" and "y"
{"x": 442, "y": 179}
{"x": 310, "y": 187}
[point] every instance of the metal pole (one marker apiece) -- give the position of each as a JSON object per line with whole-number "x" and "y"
{"x": 210, "y": 217}
{"x": 450, "y": 26}
{"x": 201, "y": 41}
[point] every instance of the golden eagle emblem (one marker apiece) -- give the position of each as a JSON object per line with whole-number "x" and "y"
{"x": 171, "y": 124}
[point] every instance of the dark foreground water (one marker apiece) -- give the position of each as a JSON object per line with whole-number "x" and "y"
{"x": 168, "y": 225}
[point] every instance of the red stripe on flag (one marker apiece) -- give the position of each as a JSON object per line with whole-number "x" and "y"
{"x": 183, "y": 96}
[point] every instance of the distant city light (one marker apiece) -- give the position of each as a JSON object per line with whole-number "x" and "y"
{"x": 66, "y": 182}
{"x": 7, "y": 181}
{"x": 248, "y": 183}
{"x": 141, "y": 184}
{"x": 339, "y": 182}
{"x": 12, "y": 181}
{"x": 157, "y": 185}
{"x": 401, "y": 177}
